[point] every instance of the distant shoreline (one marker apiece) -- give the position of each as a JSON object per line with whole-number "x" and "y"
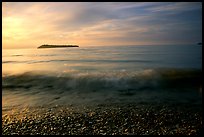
{"x": 57, "y": 46}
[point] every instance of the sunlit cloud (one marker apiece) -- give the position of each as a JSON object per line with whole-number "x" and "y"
{"x": 31, "y": 24}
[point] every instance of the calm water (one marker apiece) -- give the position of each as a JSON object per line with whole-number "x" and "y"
{"x": 84, "y": 75}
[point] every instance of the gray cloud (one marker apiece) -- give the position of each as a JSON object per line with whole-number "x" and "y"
{"x": 129, "y": 22}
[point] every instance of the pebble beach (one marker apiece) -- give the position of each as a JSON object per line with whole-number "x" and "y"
{"x": 104, "y": 119}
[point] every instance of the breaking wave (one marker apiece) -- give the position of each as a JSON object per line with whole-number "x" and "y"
{"x": 150, "y": 79}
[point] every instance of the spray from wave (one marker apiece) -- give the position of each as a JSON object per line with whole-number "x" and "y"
{"x": 150, "y": 79}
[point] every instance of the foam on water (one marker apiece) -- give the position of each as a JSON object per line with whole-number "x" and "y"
{"x": 154, "y": 79}
{"x": 148, "y": 85}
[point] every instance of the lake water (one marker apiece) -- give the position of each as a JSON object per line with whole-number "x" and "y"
{"x": 94, "y": 75}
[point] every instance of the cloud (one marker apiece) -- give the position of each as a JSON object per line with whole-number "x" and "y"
{"x": 175, "y": 7}
{"x": 110, "y": 23}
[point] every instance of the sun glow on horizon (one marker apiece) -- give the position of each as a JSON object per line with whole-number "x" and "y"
{"x": 88, "y": 24}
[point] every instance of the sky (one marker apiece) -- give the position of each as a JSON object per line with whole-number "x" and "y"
{"x": 31, "y": 24}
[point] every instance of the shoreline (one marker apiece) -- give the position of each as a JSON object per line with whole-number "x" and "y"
{"x": 105, "y": 119}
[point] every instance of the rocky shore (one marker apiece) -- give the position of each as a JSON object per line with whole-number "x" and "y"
{"x": 104, "y": 119}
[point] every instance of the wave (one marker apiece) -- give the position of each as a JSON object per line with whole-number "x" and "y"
{"x": 124, "y": 82}
{"x": 83, "y": 60}
{"x": 17, "y": 55}
{"x": 9, "y": 62}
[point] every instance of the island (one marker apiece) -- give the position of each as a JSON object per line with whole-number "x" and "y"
{"x": 56, "y": 46}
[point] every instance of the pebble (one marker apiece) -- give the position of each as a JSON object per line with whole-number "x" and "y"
{"x": 119, "y": 119}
